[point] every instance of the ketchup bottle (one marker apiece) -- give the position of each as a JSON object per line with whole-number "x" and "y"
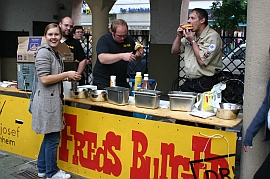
{"x": 146, "y": 82}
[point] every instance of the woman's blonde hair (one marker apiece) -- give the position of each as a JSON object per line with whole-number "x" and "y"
{"x": 50, "y": 26}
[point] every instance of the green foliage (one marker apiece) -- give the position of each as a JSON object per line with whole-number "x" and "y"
{"x": 229, "y": 14}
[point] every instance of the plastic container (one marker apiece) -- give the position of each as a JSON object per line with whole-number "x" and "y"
{"x": 146, "y": 84}
{"x": 138, "y": 81}
{"x": 112, "y": 80}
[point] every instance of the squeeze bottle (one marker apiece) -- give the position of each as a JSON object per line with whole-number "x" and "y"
{"x": 146, "y": 82}
{"x": 138, "y": 81}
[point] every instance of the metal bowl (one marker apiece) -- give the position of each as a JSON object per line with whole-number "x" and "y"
{"x": 228, "y": 110}
{"x": 98, "y": 95}
{"x": 230, "y": 106}
{"x": 79, "y": 94}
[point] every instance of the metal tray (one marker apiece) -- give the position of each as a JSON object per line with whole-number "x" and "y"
{"x": 117, "y": 95}
{"x": 182, "y": 94}
{"x": 182, "y": 101}
{"x": 148, "y": 92}
{"x": 147, "y": 98}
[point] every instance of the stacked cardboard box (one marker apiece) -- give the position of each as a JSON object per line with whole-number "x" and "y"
{"x": 28, "y": 45}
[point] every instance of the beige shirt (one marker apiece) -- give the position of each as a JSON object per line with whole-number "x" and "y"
{"x": 210, "y": 45}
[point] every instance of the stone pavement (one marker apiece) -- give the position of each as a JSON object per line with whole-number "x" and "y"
{"x": 13, "y": 166}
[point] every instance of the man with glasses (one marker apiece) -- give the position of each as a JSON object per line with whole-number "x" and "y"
{"x": 77, "y": 32}
{"x": 114, "y": 51}
{"x": 74, "y": 45}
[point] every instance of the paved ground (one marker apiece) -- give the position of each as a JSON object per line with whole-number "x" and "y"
{"x": 14, "y": 166}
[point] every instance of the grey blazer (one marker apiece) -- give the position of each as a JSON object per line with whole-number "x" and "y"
{"x": 47, "y": 102}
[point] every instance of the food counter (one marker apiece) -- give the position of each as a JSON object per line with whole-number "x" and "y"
{"x": 163, "y": 112}
{"x": 101, "y": 145}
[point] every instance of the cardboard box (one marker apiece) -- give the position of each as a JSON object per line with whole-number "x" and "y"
{"x": 66, "y": 53}
{"x": 28, "y": 45}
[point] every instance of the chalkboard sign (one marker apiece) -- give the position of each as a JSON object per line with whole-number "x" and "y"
{"x": 9, "y": 42}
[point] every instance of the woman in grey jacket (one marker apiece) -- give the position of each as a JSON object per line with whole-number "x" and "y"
{"x": 47, "y": 103}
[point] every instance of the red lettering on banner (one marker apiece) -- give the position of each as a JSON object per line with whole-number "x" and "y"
{"x": 71, "y": 120}
{"x": 174, "y": 161}
{"x": 112, "y": 140}
{"x": 142, "y": 171}
{"x": 169, "y": 165}
{"x": 178, "y": 164}
{"x": 97, "y": 157}
{"x": 89, "y": 161}
{"x": 198, "y": 146}
{"x": 156, "y": 168}
{"x": 167, "y": 152}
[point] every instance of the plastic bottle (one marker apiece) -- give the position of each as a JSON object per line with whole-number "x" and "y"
{"x": 138, "y": 81}
{"x": 113, "y": 80}
{"x": 146, "y": 82}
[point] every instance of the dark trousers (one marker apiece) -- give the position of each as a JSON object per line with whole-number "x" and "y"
{"x": 263, "y": 171}
{"x": 199, "y": 85}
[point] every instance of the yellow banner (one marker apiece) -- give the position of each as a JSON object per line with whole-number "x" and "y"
{"x": 101, "y": 145}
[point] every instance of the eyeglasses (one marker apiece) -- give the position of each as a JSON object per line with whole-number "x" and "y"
{"x": 67, "y": 25}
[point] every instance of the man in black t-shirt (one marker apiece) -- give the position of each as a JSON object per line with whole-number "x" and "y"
{"x": 114, "y": 52}
{"x": 74, "y": 45}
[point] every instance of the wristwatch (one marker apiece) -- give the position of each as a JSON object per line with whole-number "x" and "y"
{"x": 192, "y": 42}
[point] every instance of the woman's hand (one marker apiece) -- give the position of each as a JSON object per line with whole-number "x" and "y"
{"x": 73, "y": 76}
